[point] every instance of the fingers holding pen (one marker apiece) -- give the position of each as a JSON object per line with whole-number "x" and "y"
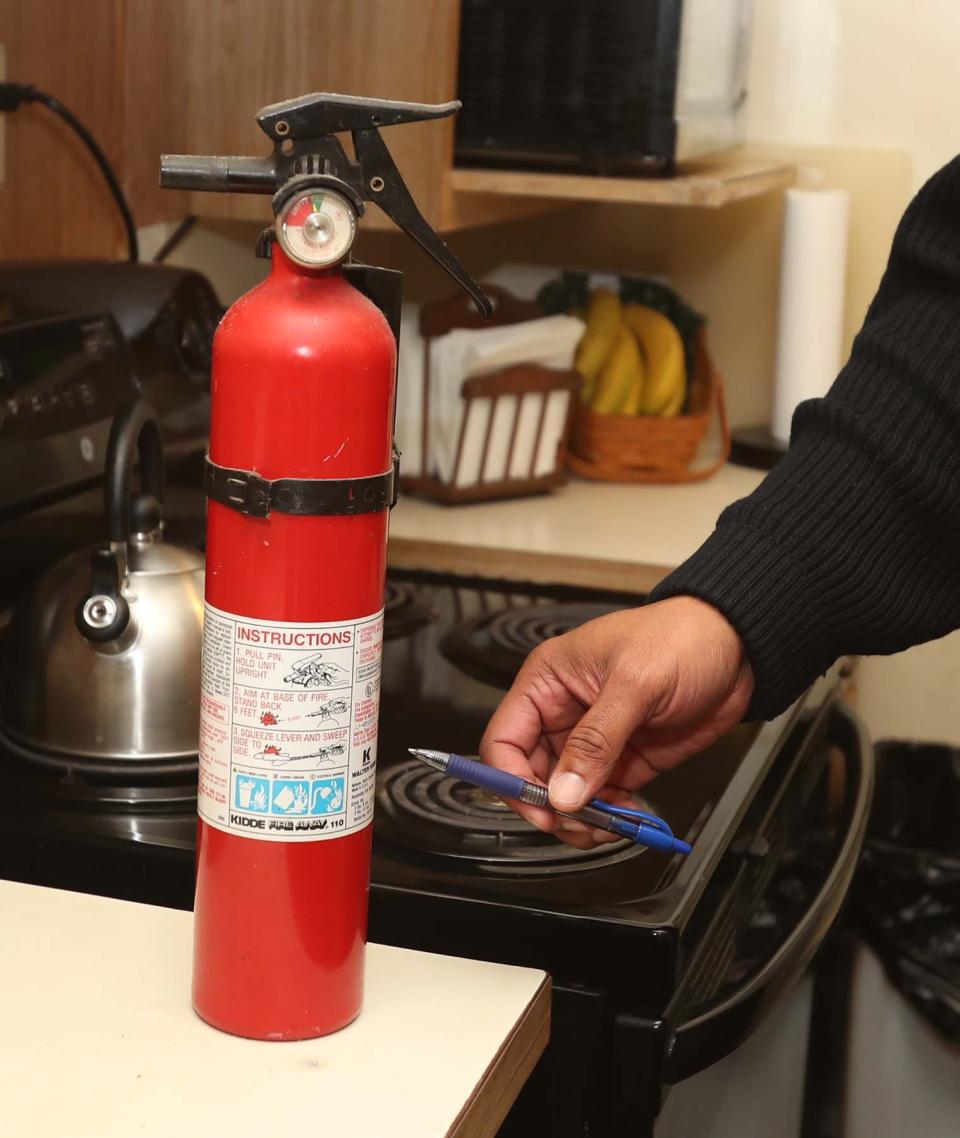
{"x": 594, "y": 746}
{"x": 517, "y": 739}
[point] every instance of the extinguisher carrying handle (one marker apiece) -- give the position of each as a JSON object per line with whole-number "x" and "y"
{"x": 303, "y": 132}
{"x": 323, "y": 113}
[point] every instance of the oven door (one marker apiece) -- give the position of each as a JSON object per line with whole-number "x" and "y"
{"x": 703, "y": 1060}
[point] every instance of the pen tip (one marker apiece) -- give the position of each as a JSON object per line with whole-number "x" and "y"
{"x": 438, "y": 759}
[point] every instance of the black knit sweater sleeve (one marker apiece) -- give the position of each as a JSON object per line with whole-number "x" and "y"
{"x": 852, "y": 544}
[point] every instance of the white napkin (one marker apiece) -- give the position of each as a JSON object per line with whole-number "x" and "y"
{"x": 550, "y": 341}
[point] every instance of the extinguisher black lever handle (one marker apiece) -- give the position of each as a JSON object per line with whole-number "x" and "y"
{"x": 384, "y": 185}
{"x": 322, "y": 113}
{"x": 297, "y": 127}
{"x": 305, "y": 146}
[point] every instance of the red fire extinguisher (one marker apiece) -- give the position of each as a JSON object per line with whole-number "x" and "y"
{"x": 300, "y": 477}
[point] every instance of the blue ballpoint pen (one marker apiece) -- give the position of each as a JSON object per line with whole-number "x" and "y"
{"x": 626, "y": 822}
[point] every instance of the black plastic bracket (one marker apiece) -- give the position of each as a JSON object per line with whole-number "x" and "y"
{"x": 248, "y": 493}
{"x": 383, "y": 286}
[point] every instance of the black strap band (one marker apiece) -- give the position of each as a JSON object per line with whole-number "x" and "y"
{"x": 248, "y": 493}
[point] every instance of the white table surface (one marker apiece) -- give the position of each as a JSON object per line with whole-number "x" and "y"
{"x": 98, "y": 1039}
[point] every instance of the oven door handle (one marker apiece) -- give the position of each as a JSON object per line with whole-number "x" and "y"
{"x": 718, "y": 1028}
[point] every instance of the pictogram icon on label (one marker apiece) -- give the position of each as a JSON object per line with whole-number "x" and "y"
{"x": 288, "y": 726}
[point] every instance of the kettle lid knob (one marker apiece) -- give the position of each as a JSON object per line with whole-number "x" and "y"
{"x": 146, "y": 514}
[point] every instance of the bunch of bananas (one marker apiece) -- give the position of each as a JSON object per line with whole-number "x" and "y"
{"x": 631, "y": 358}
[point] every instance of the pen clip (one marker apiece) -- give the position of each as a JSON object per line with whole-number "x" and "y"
{"x": 632, "y": 815}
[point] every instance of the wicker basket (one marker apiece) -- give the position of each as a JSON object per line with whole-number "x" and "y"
{"x": 644, "y": 448}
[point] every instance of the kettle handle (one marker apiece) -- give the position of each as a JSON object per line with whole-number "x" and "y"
{"x": 103, "y": 613}
{"x": 135, "y": 429}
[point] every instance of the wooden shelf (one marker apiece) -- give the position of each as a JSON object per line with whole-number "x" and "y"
{"x": 707, "y": 183}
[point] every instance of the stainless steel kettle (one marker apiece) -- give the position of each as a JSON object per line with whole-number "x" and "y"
{"x": 102, "y": 657}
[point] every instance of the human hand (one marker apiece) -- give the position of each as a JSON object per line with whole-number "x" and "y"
{"x": 602, "y": 710}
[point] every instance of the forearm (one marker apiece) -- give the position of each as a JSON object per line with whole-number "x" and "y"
{"x": 851, "y": 545}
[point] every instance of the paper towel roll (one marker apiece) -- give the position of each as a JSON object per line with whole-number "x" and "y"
{"x": 812, "y": 277}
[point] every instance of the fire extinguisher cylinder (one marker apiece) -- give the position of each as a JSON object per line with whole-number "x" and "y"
{"x": 300, "y": 477}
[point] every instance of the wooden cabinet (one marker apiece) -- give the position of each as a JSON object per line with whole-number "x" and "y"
{"x": 53, "y": 201}
{"x": 222, "y": 60}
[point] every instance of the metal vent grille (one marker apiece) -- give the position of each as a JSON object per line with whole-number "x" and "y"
{"x": 709, "y": 971}
{"x": 711, "y": 966}
{"x": 565, "y": 79}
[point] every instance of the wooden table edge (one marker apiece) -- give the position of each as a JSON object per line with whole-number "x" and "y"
{"x": 507, "y": 1071}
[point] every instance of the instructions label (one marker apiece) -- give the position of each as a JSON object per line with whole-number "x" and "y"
{"x": 288, "y": 726}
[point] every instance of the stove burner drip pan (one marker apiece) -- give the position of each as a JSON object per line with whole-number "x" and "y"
{"x": 491, "y": 648}
{"x": 93, "y": 789}
{"x": 425, "y": 812}
{"x": 131, "y": 770}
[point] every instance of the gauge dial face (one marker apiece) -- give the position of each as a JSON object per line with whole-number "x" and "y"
{"x": 316, "y": 228}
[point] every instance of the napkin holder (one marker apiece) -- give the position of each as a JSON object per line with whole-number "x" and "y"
{"x": 481, "y": 395}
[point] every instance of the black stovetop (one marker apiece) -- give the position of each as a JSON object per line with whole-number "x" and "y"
{"x": 455, "y": 871}
{"x": 441, "y": 682}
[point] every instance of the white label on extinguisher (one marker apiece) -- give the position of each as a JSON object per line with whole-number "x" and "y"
{"x": 288, "y": 726}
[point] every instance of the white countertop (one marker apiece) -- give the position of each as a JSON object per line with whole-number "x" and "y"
{"x": 641, "y": 532}
{"x": 99, "y": 1039}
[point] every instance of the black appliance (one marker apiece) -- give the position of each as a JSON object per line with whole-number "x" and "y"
{"x": 62, "y": 379}
{"x": 166, "y": 315}
{"x": 605, "y": 87}
{"x": 661, "y": 965}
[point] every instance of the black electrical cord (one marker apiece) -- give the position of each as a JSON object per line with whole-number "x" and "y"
{"x": 175, "y": 238}
{"x": 13, "y": 94}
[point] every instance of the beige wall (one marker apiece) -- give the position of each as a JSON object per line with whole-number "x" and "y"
{"x": 874, "y": 73}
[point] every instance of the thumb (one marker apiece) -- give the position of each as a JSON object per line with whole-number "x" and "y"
{"x": 594, "y": 745}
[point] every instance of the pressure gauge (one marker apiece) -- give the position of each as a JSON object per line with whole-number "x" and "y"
{"x": 316, "y": 228}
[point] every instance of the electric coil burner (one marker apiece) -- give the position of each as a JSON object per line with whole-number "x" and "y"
{"x": 492, "y": 647}
{"x": 423, "y": 811}
{"x": 98, "y": 827}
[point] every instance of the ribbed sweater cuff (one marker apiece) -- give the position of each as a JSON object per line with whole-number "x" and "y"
{"x": 762, "y": 591}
